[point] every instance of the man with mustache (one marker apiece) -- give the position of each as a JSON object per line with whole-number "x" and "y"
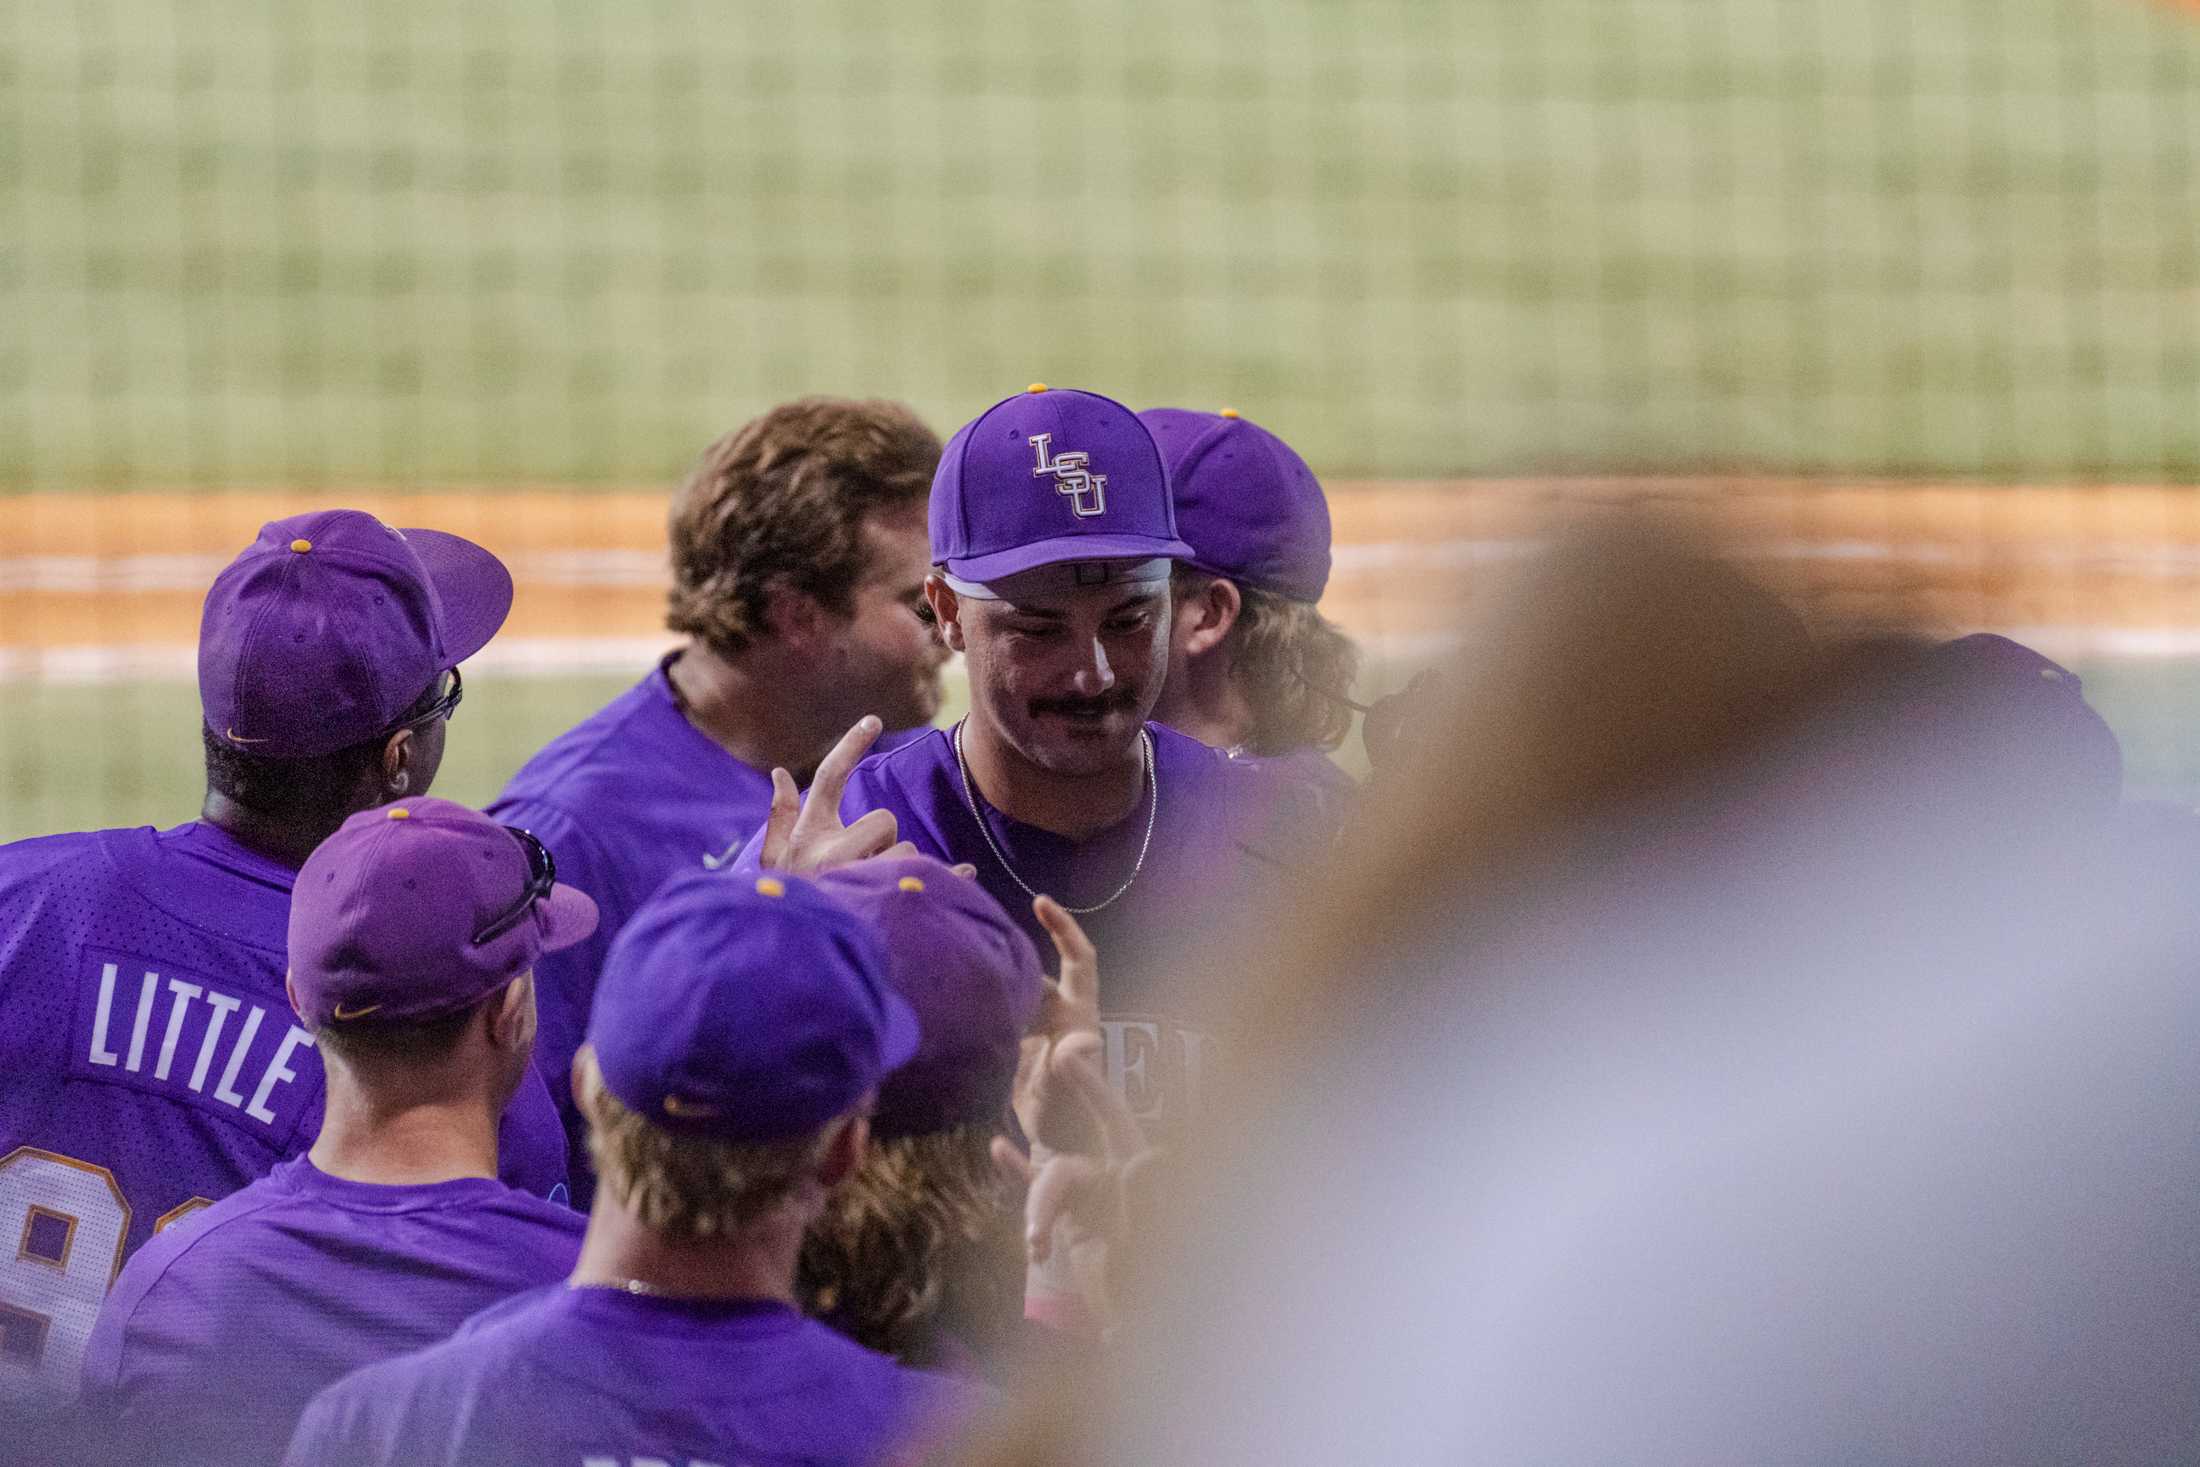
{"x": 1053, "y": 538}
{"x": 798, "y": 566}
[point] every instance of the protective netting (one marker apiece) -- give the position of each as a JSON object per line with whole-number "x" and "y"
{"x": 331, "y": 250}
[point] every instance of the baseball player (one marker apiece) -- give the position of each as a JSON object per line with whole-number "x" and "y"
{"x": 1255, "y": 669}
{"x": 412, "y": 937}
{"x": 1053, "y": 542}
{"x": 798, "y": 561}
{"x": 742, "y": 1025}
{"x": 152, "y": 1062}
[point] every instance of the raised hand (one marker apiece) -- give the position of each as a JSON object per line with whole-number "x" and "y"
{"x": 807, "y": 836}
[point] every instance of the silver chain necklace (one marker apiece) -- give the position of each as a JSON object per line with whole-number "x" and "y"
{"x": 970, "y": 793}
{"x": 624, "y": 1286}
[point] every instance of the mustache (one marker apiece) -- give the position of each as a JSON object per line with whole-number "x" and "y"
{"x": 1119, "y": 700}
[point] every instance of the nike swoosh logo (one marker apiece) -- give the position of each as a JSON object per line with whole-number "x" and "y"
{"x": 234, "y": 737}
{"x": 725, "y": 857}
{"x": 358, "y": 1013}
{"x": 675, "y": 1106}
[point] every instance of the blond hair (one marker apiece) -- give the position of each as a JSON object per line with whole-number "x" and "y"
{"x": 927, "y": 1233}
{"x": 690, "y": 1187}
{"x": 1296, "y": 666}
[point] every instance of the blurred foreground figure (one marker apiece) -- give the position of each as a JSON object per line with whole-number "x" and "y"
{"x": 1740, "y": 1053}
{"x": 741, "y": 1029}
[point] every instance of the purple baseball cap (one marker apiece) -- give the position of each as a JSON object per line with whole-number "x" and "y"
{"x": 421, "y": 908}
{"x": 1251, "y": 509}
{"x": 746, "y": 1007}
{"x": 1049, "y": 477}
{"x": 331, "y": 624}
{"x": 969, "y": 972}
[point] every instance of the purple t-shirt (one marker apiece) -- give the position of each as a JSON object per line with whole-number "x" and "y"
{"x": 217, "y": 1335}
{"x": 571, "y": 1376}
{"x": 151, "y": 1063}
{"x": 624, "y": 799}
{"x": 1223, "y": 833}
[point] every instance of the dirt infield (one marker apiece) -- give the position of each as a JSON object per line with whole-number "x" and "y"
{"x": 128, "y": 571}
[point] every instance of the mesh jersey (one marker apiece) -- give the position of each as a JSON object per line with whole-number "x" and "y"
{"x": 153, "y": 1065}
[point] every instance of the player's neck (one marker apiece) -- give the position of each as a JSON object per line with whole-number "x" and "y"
{"x": 747, "y": 706}
{"x": 1074, "y": 806}
{"x": 437, "y": 1141}
{"x": 758, "y": 1262}
{"x": 278, "y": 840}
{"x": 1203, "y": 700}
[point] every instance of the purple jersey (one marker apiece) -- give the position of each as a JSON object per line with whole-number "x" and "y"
{"x": 216, "y": 1336}
{"x": 152, "y": 1063}
{"x": 1222, "y": 832}
{"x": 624, "y": 799}
{"x": 592, "y": 1375}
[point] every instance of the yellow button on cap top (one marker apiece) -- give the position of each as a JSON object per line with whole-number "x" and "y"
{"x": 911, "y": 883}
{"x": 1227, "y": 413}
{"x": 770, "y": 886}
{"x": 1036, "y": 387}
{"x": 401, "y": 813}
{"x": 301, "y": 546}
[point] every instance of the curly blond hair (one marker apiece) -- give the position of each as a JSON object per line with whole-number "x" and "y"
{"x": 1295, "y": 665}
{"x": 925, "y": 1239}
{"x": 683, "y": 1186}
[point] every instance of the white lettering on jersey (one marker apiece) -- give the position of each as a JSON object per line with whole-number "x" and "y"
{"x": 184, "y": 993}
{"x": 223, "y": 1006}
{"x": 232, "y": 1075}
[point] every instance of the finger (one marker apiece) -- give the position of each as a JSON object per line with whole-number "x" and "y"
{"x": 873, "y": 835}
{"x": 834, "y": 768}
{"x": 1119, "y": 1126}
{"x": 1055, "y": 1194}
{"x": 965, "y": 870}
{"x": 779, "y": 824}
{"x": 1080, "y": 961}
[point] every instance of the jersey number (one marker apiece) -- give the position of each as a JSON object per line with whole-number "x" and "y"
{"x": 62, "y": 1227}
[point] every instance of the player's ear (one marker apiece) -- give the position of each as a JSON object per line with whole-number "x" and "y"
{"x": 290, "y": 991}
{"x": 946, "y": 611}
{"x": 512, "y": 1014}
{"x": 1204, "y": 619}
{"x": 398, "y": 757}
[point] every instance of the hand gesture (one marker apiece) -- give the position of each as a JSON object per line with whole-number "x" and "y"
{"x": 806, "y": 836}
{"x": 1074, "y": 1202}
{"x": 1070, "y": 1008}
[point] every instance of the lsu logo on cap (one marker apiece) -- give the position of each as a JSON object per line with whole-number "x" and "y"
{"x": 1087, "y": 492}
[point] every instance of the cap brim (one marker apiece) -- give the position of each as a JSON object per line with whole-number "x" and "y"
{"x": 1002, "y": 564}
{"x": 472, "y": 585}
{"x": 568, "y": 917}
{"x": 899, "y": 1045}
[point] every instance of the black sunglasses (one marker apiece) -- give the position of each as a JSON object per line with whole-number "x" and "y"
{"x": 542, "y": 875}
{"x": 443, "y": 707}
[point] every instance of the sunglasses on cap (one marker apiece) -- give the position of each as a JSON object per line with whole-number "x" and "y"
{"x": 542, "y": 875}
{"x": 445, "y": 705}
